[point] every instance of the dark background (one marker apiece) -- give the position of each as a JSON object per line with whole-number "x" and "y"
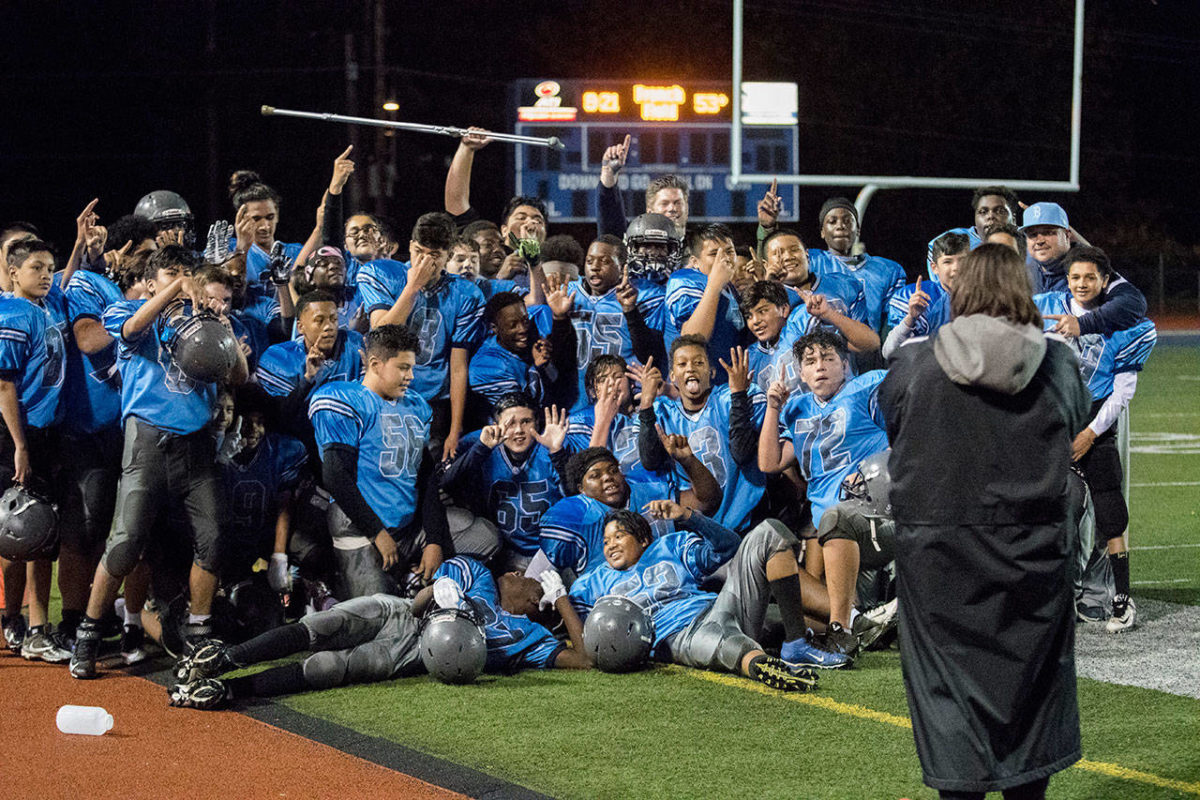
{"x": 116, "y": 99}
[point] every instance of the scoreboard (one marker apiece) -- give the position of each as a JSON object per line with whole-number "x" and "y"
{"x": 677, "y": 127}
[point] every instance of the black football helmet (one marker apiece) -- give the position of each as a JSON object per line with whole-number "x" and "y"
{"x": 28, "y": 526}
{"x": 203, "y": 347}
{"x": 167, "y": 210}
{"x": 655, "y": 247}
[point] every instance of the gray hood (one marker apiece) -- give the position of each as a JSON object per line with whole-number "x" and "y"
{"x": 989, "y": 352}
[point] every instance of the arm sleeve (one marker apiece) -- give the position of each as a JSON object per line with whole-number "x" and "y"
{"x": 654, "y": 455}
{"x": 719, "y": 544}
{"x": 898, "y": 335}
{"x": 560, "y": 460}
{"x": 743, "y": 433}
{"x": 340, "y": 474}
{"x": 334, "y": 225}
{"x": 1123, "y": 306}
{"x": 1124, "y": 385}
{"x": 646, "y": 343}
{"x": 466, "y": 465}
{"x": 433, "y": 511}
{"x": 610, "y": 210}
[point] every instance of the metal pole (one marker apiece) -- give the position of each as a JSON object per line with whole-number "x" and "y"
{"x": 1077, "y": 94}
{"x": 735, "y": 139}
{"x": 444, "y": 130}
{"x": 351, "y": 99}
{"x": 860, "y": 202}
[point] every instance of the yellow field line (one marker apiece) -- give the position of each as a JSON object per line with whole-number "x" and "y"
{"x": 862, "y": 712}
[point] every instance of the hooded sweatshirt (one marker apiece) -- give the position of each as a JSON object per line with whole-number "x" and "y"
{"x": 981, "y": 417}
{"x": 1122, "y": 305}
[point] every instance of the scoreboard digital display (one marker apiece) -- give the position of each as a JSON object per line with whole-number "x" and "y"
{"x": 678, "y": 127}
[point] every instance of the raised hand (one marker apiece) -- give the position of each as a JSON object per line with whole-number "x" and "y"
{"x": 314, "y": 359}
{"x": 917, "y": 303}
{"x": 722, "y": 271}
{"x": 612, "y": 161}
{"x": 738, "y": 369}
{"x": 216, "y": 247}
{"x": 243, "y": 226}
{"x": 608, "y": 400}
{"x": 652, "y": 380}
{"x": 667, "y": 509}
{"x": 554, "y": 432}
{"x": 476, "y": 138}
{"x": 1064, "y": 324}
{"x": 491, "y": 435}
{"x": 558, "y": 298}
{"x": 343, "y": 168}
{"x": 90, "y": 234}
{"x": 777, "y": 395}
{"x": 627, "y": 293}
{"x": 541, "y": 352}
{"x": 770, "y": 207}
{"x": 115, "y": 259}
{"x": 818, "y": 307}
{"x": 423, "y": 270}
{"x": 552, "y": 588}
{"x": 676, "y": 444}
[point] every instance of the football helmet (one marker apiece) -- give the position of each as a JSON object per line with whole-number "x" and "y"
{"x": 655, "y": 247}
{"x": 618, "y": 634}
{"x": 203, "y": 347}
{"x": 28, "y": 526}
{"x": 871, "y": 486}
{"x": 167, "y": 210}
{"x": 453, "y": 647}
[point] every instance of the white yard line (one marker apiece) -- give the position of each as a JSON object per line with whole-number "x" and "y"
{"x": 1155, "y": 484}
{"x": 1163, "y": 546}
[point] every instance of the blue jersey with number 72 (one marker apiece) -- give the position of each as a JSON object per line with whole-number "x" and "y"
{"x": 389, "y": 435}
{"x": 832, "y": 438}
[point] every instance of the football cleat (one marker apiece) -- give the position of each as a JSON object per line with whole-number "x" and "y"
{"x": 774, "y": 672}
{"x": 803, "y": 653}
{"x": 1092, "y": 615}
{"x": 208, "y": 659}
{"x": 87, "y": 646}
{"x": 41, "y": 646}
{"x": 14, "y": 632}
{"x": 206, "y": 694}
{"x": 1124, "y": 614}
{"x": 133, "y": 645}
{"x": 839, "y": 640}
{"x": 873, "y": 628}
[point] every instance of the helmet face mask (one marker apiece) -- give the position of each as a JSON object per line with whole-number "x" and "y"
{"x": 870, "y": 485}
{"x": 168, "y": 211}
{"x": 655, "y": 248}
{"x": 452, "y": 644}
{"x": 618, "y": 634}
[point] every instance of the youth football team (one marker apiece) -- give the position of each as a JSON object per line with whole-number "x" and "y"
{"x": 263, "y": 448}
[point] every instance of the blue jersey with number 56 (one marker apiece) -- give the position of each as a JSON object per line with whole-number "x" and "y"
{"x": 390, "y": 436}
{"x": 831, "y": 438}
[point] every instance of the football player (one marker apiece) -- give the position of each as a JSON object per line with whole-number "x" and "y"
{"x": 992, "y": 206}
{"x": 33, "y": 325}
{"x": 510, "y": 472}
{"x": 572, "y": 531}
{"x": 702, "y": 415}
{"x": 443, "y": 309}
{"x": 917, "y": 310}
{"x": 172, "y": 456}
{"x": 1110, "y": 366}
{"x": 700, "y": 300}
{"x": 609, "y": 421}
{"x": 257, "y": 217}
{"x": 325, "y": 270}
{"x": 698, "y": 629}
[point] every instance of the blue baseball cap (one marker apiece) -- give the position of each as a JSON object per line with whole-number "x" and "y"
{"x": 1044, "y": 214}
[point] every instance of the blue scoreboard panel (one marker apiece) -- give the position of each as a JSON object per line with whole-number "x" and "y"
{"x": 679, "y": 128}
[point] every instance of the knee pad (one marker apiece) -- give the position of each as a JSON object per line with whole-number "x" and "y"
{"x": 368, "y": 664}
{"x": 122, "y": 557}
{"x": 773, "y": 535}
{"x": 1112, "y": 515}
{"x": 325, "y": 670}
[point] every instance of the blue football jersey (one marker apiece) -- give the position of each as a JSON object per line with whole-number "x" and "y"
{"x": 652, "y": 302}
{"x": 490, "y": 286}
{"x": 252, "y": 489}
{"x": 1101, "y": 357}
{"x": 33, "y": 354}
{"x": 707, "y": 430}
{"x": 514, "y": 642}
{"x": 282, "y": 366}
{"x": 495, "y": 371}
{"x": 622, "y": 437}
{"x": 971, "y": 234}
{"x": 842, "y": 293}
{"x": 600, "y": 329}
{"x": 572, "y": 532}
{"x": 92, "y": 392}
{"x": 937, "y": 313}
{"x": 447, "y": 313}
{"x": 349, "y": 312}
{"x": 684, "y": 290}
{"x": 830, "y": 439}
{"x": 258, "y": 276}
{"x": 775, "y": 362}
{"x": 390, "y": 436}
{"x": 665, "y": 582}
{"x": 880, "y": 279}
{"x": 255, "y": 317}
{"x": 153, "y": 387}
{"x": 517, "y": 494}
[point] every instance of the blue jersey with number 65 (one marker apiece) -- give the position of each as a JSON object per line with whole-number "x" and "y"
{"x": 390, "y": 436}
{"x": 831, "y": 438}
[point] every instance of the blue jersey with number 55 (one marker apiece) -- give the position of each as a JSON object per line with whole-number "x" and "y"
{"x": 390, "y": 436}
{"x": 831, "y": 438}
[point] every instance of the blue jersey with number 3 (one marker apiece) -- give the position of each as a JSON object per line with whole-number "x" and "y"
{"x": 390, "y": 436}
{"x": 830, "y": 439}
{"x": 33, "y": 354}
{"x": 513, "y": 641}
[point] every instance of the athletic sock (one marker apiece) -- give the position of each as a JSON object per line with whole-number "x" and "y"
{"x": 787, "y": 594}
{"x": 270, "y": 682}
{"x": 36, "y": 630}
{"x": 1120, "y": 568}
{"x": 275, "y": 643}
{"x": 193, "y": 619}
{"x": 133, "y": 618}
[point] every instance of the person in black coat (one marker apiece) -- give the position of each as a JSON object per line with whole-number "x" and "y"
{"x": 980, "y": 419}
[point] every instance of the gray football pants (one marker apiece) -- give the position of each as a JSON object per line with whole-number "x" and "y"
{"x": 362, "y": 640}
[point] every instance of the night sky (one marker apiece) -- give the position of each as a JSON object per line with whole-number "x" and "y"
{"x": 117, "y": 99}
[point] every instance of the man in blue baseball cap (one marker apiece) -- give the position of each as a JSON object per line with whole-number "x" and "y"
{"x": 1048, "y": 239}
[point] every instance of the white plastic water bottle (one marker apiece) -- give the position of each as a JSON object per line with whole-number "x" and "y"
{"x": 91, "y": 720}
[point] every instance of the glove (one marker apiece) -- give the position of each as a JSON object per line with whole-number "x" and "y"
{"x": 446, "y": 593}
{"x": 552, "y": 588}
{"x": 216, "y": 248}
{"x": 279, "y": 265}
{"x": 277, "y": 573}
